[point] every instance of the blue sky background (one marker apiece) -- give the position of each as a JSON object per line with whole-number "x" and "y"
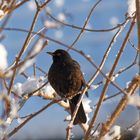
{"x": 49, "y": 124}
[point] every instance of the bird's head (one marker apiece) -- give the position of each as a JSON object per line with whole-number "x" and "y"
{"x": 60, "y": 56}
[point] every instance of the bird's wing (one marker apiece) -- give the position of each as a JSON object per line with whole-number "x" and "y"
{"x": 82, "y": 77}
{"x": 81, "y": 74}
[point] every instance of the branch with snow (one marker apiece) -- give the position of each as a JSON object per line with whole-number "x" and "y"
{"x": 114, "y": 133}
{"x": 135, "y": 83}
{"x": 131, "y": 7}
{"x": 3, "y": 58}
{"x": 134, "y": 101}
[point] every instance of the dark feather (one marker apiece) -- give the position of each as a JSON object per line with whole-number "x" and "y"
{"x": 67, "y": 80}
{"x": 80, "y": 117}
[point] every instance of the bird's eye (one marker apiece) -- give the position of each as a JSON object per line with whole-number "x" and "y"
{"x": 58, "y": 54}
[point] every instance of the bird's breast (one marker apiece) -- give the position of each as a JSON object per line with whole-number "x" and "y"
{"x": 65, "y": 79}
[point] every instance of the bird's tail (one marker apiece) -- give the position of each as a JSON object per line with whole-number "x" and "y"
{"x": 81, "y": 116}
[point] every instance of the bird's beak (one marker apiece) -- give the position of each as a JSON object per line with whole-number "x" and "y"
{"x": 51, "y": 53}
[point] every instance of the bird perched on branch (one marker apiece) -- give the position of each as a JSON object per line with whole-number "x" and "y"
{"x": 67, "y": 80}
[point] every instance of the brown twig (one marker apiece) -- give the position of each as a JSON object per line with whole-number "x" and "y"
{"x": 70, "y": 125}
{"x": 86, "y": 29}
{"x": 44, "y": 4}
{"x": 25, "y": 45}
{"x": 67, "y": 46}
{"x": 120, "y": 107}
{"x": 41, "y": 70}
{"x": 84, "y": 26}
{"x": 36, "y": 90}
{"x": 28, "y": 57}
{"x": 31, "y": 117}
{"x": 23, "y": 49}
{"x": 20, "y": 4}
{"x": 138, "y": 23}
{"x": 34, "y": 69}
{"x": 108, "y": 81}
{"x": 138, "y": 31}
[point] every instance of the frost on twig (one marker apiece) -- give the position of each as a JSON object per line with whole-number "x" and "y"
{"x": 134, "y": 101}
{"x": 21, "y": 91}
{"x": 131, "y": 7}
{"x": 135, "y": 83}
{"x": 3, "y": 59}
{"x": 114, "y": 133}
{"x": 54, "y": 27}
{"x": 87, "y": 108}
{"x": 33, "y": 84}
{"x": 6, "y": 7}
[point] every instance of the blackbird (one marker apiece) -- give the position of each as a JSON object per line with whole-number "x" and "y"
{"x": 67, "y": 80}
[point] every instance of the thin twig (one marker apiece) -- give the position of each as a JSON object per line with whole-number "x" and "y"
{"x": 138, "y": 31}
{"x": 23, "y": 49}
{"x": 120, "y": 107}
{"x": 84, "y": 26}
{"x": 34, "y": 69}
{"x": 31, "y": 117}
{"x": 108, "y": 81}
{"x": 41, "y": 70}
{"x": 67, "y": 46}
{"x": 86, "y": 29}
